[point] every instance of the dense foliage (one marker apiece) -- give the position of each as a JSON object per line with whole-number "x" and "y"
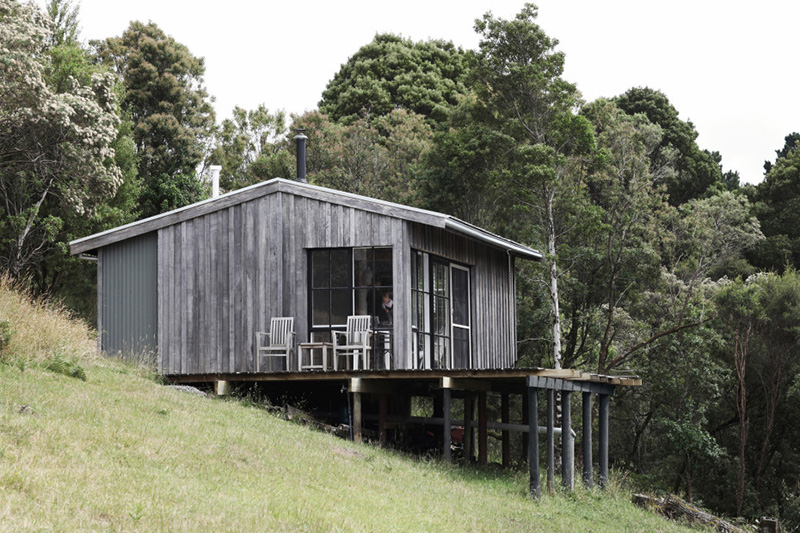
{"x": 657, "y": 262}
{"x": 395, "y": 73}
{"x": 57, "y": 131}
{"x": 171, "y": 112}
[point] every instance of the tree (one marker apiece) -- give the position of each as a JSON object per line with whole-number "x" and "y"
{"x": 462, "y": 170}
{"x": 777, "y": 200}
{"x": 394, "y": 73}
{"x": 378, "y": 158}
{"x": 790, "y": 144}
{"x": 517, "y": 73}
{"x": 64, "y": 16}
{"x": 696, "y": 169}
{"x": 760, "y": 318}
{"x": 249, "y": 145}
{"x": 619, "y": 259}
{"x": 55, "y": 148}
{"x": 170, "y": 109}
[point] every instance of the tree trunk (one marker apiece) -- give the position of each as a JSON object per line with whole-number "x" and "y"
{"x": 551, "y": 257}
{"x": 677, "y": 509}
{"x": 772, "y": 393}
{"x": 740, "y": 361}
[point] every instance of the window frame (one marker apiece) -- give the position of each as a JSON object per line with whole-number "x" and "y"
{"x": 423, "y": 293}
{"x": 353, "y": 286}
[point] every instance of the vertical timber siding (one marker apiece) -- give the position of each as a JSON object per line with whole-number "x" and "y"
{"x": 492, "y": 296}
{"x": 128, "y": 296}
{"x": 225, "y": 274}
{"x": 221, "y": 283}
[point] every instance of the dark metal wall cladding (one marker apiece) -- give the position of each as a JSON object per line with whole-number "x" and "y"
{"x": 128, "y": 295}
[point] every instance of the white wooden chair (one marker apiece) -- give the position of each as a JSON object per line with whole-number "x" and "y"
{"x": 279, "y": 341}
{"x": 354, "y": 342}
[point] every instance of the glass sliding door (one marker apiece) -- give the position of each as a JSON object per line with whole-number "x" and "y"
{"x": 440, "y": 312}
{"x": 420, "y": 310}
{"x": 459, "y": 278}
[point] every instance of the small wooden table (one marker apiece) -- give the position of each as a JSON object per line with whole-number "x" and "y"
{"x": 310, "y": 347}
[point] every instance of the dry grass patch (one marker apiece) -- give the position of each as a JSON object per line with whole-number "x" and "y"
{"x": 33, "y": 330}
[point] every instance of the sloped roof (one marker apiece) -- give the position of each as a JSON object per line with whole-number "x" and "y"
{"x": 413, "y": 214}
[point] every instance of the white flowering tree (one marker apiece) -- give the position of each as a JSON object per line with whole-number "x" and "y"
{"x": 56, "y": 152}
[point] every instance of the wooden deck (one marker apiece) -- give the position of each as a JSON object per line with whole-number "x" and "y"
{"x": 501, "y": 379}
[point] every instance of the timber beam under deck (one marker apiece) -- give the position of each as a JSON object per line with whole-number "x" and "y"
{"x": 460, "y": 379}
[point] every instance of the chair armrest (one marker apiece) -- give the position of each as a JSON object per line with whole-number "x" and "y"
{"x": 259, "y": 335}
{"x": 366, "y": 338}
{"x": 335, "y": 337}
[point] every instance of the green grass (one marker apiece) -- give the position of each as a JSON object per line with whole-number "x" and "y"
{"x": 119, "y": 451}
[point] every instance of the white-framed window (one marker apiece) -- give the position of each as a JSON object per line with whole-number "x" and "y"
{"x": 440, "y": 312}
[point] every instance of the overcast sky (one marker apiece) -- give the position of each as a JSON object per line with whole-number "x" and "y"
{"x": 728, "y": 66}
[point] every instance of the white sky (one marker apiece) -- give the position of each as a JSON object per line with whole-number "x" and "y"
{"x": 728, "y": 66}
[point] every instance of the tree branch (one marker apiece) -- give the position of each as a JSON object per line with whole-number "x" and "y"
{"x": 624, "y": 357}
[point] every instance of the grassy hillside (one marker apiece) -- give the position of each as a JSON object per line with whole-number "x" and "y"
{"x": 119, "y": 451}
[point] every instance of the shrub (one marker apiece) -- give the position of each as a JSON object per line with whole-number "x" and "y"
{"x": 59, "y": 365}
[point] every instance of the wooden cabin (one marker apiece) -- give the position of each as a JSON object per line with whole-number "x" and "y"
{"x": 196, "y": 284}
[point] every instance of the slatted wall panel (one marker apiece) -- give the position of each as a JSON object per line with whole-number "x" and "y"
{"x": 313, "y": 224}
{"x": 492, "y": 298}
{"x": 225, "y": 274}
{"x": 221, "y": 282}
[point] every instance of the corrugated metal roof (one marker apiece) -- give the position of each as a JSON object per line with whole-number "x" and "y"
{"x": 98, "y": 240}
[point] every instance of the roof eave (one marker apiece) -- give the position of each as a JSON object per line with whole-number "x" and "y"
{"x": 517, "y": 249}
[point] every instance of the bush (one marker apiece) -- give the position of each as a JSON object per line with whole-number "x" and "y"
{"x": 59, "y": 365}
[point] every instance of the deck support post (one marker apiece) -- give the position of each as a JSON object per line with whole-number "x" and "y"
{"x": 567, "y": 443}
{"x": 586, "y": 440}
{"x": 222, "y": 388}
{"x": 504, "y": 418}
{"x": 382, "y": 400}
{"x": 469, "y": 438}
{"x": 483, "y": 430}
{"x": 551, "y": 441}
{"x": 533, "y": 442}
{"x": 357, "y": 417}
{"x": 446, "y": 426}
{"x": 603, "y": 445}
{"x": 525, "y": 436}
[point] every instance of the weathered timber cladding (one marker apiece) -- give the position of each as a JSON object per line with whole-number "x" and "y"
{"x": 128, "y": 296}
{"x": 492, "y": 293}
{"x": 224, "y": 274}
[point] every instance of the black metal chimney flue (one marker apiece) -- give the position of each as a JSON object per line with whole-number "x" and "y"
{"x": 301, "y": 138}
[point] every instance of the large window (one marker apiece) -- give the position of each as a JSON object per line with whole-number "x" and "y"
{"x": 350, "y": 281}
{"x": 440, "y": 313}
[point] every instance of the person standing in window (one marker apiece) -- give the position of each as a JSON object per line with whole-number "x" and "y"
{"x": 385, "y": 310}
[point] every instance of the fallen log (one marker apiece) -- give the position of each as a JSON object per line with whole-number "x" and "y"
{"x": 677, "y": 509}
